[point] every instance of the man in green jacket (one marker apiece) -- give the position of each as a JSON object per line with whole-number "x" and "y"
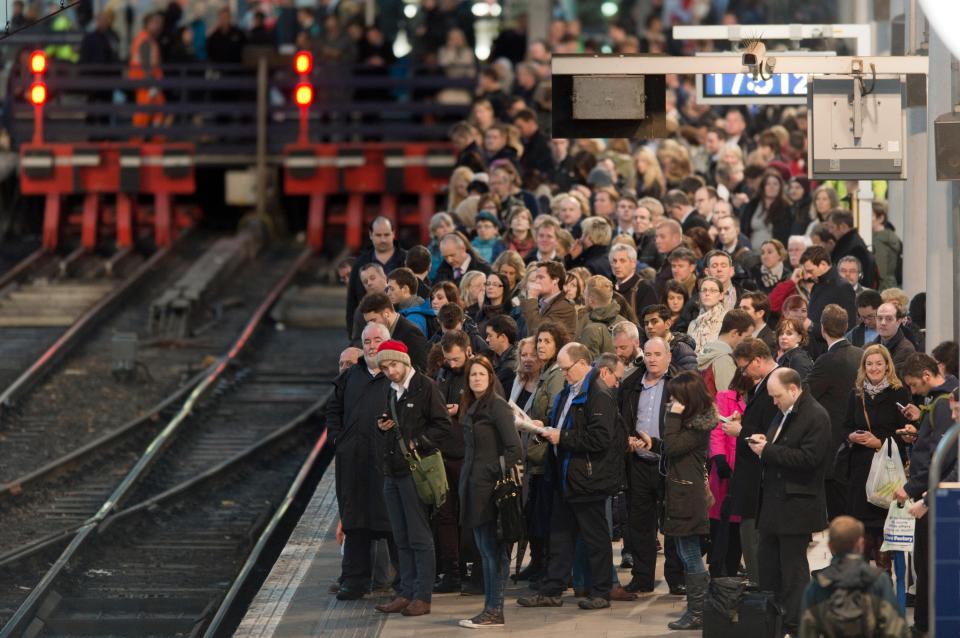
{"x": 849, "y": 593}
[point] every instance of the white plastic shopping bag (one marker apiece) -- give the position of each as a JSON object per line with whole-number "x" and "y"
{"x": 886, "y": 474}
{"x": 899, "y": 528}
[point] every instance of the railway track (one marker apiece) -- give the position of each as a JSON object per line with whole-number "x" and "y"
{"x": 252, "y": 407}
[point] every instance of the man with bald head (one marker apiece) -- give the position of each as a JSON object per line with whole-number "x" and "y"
{"x": 585, "y": 461}
{"x": 458, "y": 259}
{"x": 359, "y": 398}
{"x": 794, "y": 455}
{"x": 667, "y": 237}
{"x": 890, "y": 335}
{"x": 642, "y": 402}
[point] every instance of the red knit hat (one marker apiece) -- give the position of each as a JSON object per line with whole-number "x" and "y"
{"x": 392, "y": 350}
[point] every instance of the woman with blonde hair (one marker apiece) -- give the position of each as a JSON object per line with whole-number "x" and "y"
{"x": 872, "y": 418}
{"x": 471, "y": 290}
{"x": 510, "y": 264}
{"x": 650, "y": 180}
{"x": 457, "y": 188}
{"x": 706, "y": 326}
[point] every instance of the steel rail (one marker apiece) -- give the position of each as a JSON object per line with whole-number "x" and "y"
{"x": 27, "y": 609}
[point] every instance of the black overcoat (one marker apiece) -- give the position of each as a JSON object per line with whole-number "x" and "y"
{"x": 745, "y": 483}
{"x": 830, "y": 380}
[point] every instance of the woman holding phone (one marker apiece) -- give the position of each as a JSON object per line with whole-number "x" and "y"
{"x": 872, "y": 418}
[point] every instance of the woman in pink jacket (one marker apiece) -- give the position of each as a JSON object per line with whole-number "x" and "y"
{"x": 724, "y": 556}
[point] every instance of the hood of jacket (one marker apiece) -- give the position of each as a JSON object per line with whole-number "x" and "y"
{"x": 683, "y": 337}
{"x": 711, "y": 352}
{"x": 605, "y": 314}
{"x": 849, "y": 572}
{"x": 702, "y": 422}
{"x": 417, "y": 306}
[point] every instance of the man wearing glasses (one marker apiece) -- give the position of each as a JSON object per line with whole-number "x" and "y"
{"x": 586, "y": 467}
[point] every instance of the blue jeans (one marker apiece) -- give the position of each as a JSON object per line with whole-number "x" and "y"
{"x": 688, "y": 549}
{"x": 413, "y": 536}
{"x": 495, "y": 558}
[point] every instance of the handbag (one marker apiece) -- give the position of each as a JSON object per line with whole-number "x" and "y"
{"x": 506, "y": 497}
{"x": 429, "y": 475}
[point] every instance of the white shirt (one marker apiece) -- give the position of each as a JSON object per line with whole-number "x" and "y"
{"x": 776, "y": 434}
{"x": 373, "y": 372}
{"x": 574, "y": 391}
{"x": 401, "y": 388}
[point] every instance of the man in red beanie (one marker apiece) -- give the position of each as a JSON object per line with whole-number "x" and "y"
{"x": 416, "y": 418}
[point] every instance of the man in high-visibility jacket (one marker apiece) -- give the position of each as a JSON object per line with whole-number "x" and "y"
{"x": 145, "y": 63}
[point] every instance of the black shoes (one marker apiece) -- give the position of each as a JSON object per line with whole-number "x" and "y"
{"x": 540, "y": 601}
{"x": 678, "y": 590}
{"x": 346, "y": 593}
{"x": 626, "y": 561}
{"x": 448, "y": 584}
{"x": 636, "y": 587}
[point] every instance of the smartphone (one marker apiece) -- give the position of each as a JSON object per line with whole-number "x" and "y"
{"x": 900, "y": 406}
{"x": 725, "y": 419}
{"x": 384, "y": 417}
{"x": 858, "y": 431}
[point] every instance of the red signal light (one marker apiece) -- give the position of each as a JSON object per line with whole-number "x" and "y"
{"x": 38, "y": 93}
{"x": 38, "y": 62}
{"x": 303, "y": 62}
{"x": 303, "y": 94}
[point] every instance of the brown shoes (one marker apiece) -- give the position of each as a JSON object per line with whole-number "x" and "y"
{"x": 416, "y": 608}
{"x": 619, "y": 593}
{"x": 398, "y": 604}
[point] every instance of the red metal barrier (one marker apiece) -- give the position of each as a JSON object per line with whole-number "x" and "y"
{"x": 366, "y": 170}
{"x": 96, "y": 170}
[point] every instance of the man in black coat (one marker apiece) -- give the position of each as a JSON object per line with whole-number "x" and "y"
{"x": 655, "y": 320}
{"x": 677, "y": 205}
{"x": 623, "y": 266}
{"x": 833, "y": 375}
{"x": 458, "y": 259}
{"x": 642, "y": 405}
{"x": 377, "y": 307}
{"x": 757, "y": 304}
{"x": 753, "y": 357}
{"x": 416, "y": 419}
{"x": 850, "y": 244}
{"x": 586, "y": 467}
{"x": 501, "y": 336}
{"x": 794, "y": 455}
{"x": 890, "y": 335}
{"x": 359, "y": 398}
{"x": 537, "y": 156}
{"x": 384, "y": 252}
{"x": 828, "y": 288}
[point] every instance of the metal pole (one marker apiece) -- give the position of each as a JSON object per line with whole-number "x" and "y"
{"x": 949, "y": 439}
{"x": 261, "y": 136}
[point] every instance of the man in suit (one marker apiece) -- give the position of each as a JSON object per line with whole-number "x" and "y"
{"x": 642, "y": 403}
{"x": 545, "y": 299}
{"x": 830, "y": 380}
{"x": 757, "y": 305}
{"x": 377, "y": 307}
{"x": 754, "y": 359}
{"x": 458, "y": 259}
{"x": 677, "y": 205}
{"x": 794, "y": 455}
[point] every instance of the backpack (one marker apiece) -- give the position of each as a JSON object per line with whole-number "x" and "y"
{"x": 856, "y": 613}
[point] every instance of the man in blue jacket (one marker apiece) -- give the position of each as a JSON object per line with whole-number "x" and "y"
{"x": 586, "y": 463}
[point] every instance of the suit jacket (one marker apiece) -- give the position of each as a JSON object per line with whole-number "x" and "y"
{"x": 559, "y": 310}
{"x": 695, "y": 220}
{"x": 445, "y": 271}
{"x": 405, "y": 330}
{"x": 769, "y": 337}
{"x": 792, "y": 495}
{"x": 830, "y": 380}
{"x": 745, "y": 482}
{"x": 628, "y": 397}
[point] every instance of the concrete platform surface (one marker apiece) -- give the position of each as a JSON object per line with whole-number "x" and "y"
{"x": 294, "y": 601}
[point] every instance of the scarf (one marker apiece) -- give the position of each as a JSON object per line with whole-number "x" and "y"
{"x": 874, "y": 389}
{"x": 771, "y": 278}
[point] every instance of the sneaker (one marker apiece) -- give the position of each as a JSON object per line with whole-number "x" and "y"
{"x": 594, "y": 603}
{"x": 540, "y": 601}
{"x": 487, "y": 619}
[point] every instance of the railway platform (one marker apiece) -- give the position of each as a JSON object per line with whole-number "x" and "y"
{"x": 294, "y": 601}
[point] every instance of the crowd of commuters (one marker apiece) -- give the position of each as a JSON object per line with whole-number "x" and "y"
{"x": 714, "y": 354}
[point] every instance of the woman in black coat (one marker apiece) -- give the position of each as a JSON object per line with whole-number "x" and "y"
{"x": 686, "y": 437}
{"x": 489, "y": 436}
{"x": 872, "y": 418}
{"x": 792, "y": 339}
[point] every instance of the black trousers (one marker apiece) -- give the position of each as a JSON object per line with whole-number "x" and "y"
{"x": 921, "y": 562}
{"x": 355, "y": 567}
{"x": 836, "y": 498}
{"x": 785, "y": 571}
{"x": 645, "y": 497}
{"x": 448, "y": 521}
{"x": 589, "y": 522}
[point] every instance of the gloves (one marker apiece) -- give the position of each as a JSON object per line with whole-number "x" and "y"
{"x": 723, "y": 468}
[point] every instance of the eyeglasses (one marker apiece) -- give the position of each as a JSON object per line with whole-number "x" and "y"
{"x": 715, "y": 291}
{"x": 494, "y": 284}
{"x": 567, "y": 369}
